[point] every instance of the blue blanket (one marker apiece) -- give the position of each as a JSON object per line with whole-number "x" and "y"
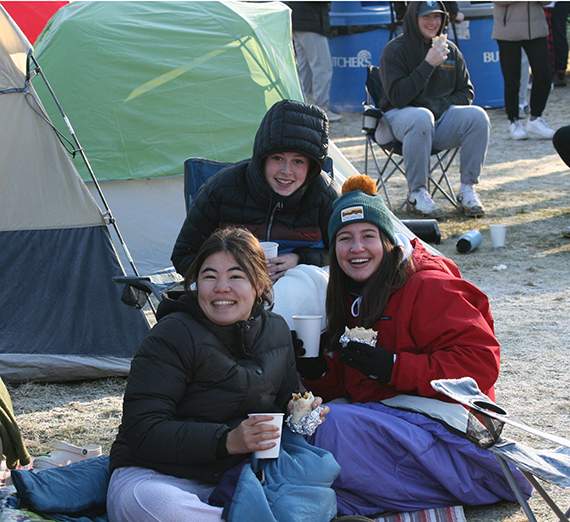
{"x": 297, "y": 485}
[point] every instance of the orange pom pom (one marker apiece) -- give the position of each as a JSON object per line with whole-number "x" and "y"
{"x": 360, "y": 182}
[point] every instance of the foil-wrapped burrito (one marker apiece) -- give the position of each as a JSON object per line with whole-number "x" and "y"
{"x": 359, "y": 334}
{"x": 304, "y": 419}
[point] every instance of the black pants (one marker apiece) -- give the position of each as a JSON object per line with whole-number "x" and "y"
{"x": 559, "y": 16}
{"x": 539, "y": 59}
{"x": 561, "y": 142}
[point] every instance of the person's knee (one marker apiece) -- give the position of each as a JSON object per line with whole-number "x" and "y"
{"x": 474, "y": 119}
{"x": 419, "y": 122}
{"x": 480, "y": 117}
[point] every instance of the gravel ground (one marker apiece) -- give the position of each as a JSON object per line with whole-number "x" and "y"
{"x": 525, "y": 186}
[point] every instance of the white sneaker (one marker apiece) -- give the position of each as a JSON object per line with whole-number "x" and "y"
{"x": 516, "y": 131}
{"x": 333, "y": 116}
{"x": 420, "y": 204}
{"x": 540, "y": 128}
{"x": 469, "y": 202}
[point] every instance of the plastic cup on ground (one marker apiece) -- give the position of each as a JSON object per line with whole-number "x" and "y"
{"x": 308, "y": 328}
{"x": 270, "y": 249}
{"x": 271, "y": 453}
{"x": 498, "y": 234}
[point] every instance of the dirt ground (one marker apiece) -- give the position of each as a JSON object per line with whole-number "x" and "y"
{"x": 524, "y": 186}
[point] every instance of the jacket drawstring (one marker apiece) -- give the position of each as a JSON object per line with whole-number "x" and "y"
{"x": 355, "y": 308}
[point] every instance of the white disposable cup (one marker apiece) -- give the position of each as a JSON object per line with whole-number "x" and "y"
{"x": 498, "y": 234}
{"x": 270, "y": 249}
{"x": 308, "y": 328}
{"x": 271, "y": 453}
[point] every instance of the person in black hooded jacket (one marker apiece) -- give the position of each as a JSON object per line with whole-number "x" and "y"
{"x": 281, "y": 194}
{"x": 216, "y": 355}
{"x": 427, "y": 101}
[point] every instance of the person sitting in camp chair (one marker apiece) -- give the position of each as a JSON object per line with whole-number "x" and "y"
{"x": 281, "y": 194}
{"x": 427, "y": 102}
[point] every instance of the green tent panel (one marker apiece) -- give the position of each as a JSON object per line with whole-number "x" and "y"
{"x": 149, "y": 84}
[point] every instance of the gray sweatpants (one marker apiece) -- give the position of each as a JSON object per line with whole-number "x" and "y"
{"x": 467, "y": 126}
{"x": 143, "y": 495}
{"x": 314, "y": 65}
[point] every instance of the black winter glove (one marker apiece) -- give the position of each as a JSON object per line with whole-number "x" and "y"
{"x": 310, "y": 368}
{"x": 373, "y": 361}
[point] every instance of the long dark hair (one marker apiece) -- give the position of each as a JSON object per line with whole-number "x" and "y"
{"x": 246, "y": 249}
{"x": 391, "y": 275}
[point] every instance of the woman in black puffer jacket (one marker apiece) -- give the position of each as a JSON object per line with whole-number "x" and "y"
{"x": 215, "y": 356}
{"x": 281, "y": 194}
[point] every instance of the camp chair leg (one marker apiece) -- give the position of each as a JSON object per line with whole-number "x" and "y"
{"x": 381, "y": 182}
{"x": 441, "y": 158}
{"x": 516, "y": 489}
{"x": 563, "y": 517}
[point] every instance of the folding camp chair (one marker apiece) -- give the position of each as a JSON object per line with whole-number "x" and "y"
{"x": 393, "y": 162}
{"x": 485, "y": 421}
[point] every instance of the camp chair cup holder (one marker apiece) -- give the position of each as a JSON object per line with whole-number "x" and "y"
{"x": 370, "y": 117}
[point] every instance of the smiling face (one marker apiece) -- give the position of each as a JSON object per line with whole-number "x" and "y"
{"x": 429, "y": 26}
{"x": 225, "y": 293}
{"x": 285, "y": 172}
{"x": 359, "y": 250}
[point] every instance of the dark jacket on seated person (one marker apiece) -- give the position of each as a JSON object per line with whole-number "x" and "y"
{"x": 239, "y": 194}
{"x": 229, "y": 380}
{"x": 410, "y": 81}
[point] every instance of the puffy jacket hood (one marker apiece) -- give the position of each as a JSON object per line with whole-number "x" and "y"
{"x": 292, "y": 126}
{"x": 411, "y": 28}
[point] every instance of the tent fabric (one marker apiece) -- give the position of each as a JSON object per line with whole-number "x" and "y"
{"x": 57, "y": 260}
{"x": 149, "y": 84}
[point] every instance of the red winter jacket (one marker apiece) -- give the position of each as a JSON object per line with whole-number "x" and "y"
{"x": 438, "y": 325}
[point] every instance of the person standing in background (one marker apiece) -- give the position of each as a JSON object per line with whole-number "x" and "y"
{"x": 516, "y": 26}
{"x": 311, "y": 30}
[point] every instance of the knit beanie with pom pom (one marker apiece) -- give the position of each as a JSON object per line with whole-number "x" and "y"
{"x": 360, "y": 203}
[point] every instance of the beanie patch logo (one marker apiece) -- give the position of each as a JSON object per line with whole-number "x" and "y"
{"x": 351, "y": 214}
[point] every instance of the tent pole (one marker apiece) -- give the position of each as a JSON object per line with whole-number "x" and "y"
{"x": 108, "y": 215}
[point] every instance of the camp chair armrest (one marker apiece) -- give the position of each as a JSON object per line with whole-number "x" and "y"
{"x": 140, "y": 283}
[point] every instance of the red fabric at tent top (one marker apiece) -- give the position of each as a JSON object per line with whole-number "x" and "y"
{"x": 31, "y": 17}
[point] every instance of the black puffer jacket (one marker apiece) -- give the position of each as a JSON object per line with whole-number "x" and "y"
{"x": 409, "y": 80}
{"x": 192, "y": 381}
{"x": 240, "y": 195}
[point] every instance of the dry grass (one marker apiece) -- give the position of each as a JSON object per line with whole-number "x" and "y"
{"x": 525, "y": 186}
